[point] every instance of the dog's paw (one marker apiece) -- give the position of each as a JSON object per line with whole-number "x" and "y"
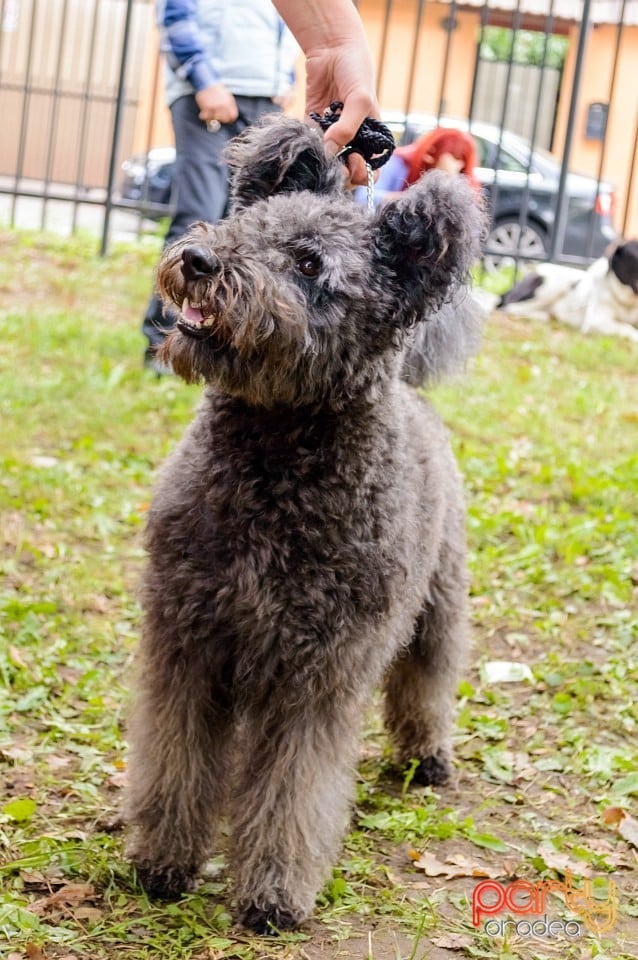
{"x": 433, "y": 770}
{"x": 165, "y": 883}
{"x": 268, "y": 921}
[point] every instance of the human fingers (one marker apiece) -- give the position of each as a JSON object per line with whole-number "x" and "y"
{"x": 358, "y": 170}
{"x": 355, "y": 110}
{"x": 216, "y": 103}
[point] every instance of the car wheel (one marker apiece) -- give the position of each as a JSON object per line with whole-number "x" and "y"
{"x": 508, "y": 241}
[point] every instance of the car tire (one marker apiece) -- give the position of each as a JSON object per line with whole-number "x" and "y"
{"x": 508, "y": 242}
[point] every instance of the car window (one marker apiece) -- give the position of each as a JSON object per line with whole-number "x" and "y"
{"x": 482, "y": 151}
{"x": 486, "y": 154}
{"x": 507, "y": 162}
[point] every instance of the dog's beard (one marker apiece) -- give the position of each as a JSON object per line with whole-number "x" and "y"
{"x": 254, "y": 353}
{"x": 190, "y": 359}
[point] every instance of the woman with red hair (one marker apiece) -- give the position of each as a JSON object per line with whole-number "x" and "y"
{"x": 444, "y": 148}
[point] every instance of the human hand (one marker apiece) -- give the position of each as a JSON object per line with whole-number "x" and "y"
{"x": 343, "y": 73}
{"x": 216, "y": 103}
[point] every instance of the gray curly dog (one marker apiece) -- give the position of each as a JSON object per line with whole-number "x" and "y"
{"x": 306, "y": 538}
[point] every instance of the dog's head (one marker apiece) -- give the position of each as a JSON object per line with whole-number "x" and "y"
{"x": 300, "y": 295}
{"x": 623, "y": 263}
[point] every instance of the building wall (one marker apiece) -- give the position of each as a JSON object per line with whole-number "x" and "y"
{"x": 395, "y": 90}
{"x": 61, "y": 129}
{"x": 424, "y": 93}
{"x": 59, "y": 71}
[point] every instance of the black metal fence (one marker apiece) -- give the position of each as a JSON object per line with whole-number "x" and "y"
{"x": 77, "y": 79}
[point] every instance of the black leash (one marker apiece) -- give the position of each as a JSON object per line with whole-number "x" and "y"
{"x": 373, "y": 140}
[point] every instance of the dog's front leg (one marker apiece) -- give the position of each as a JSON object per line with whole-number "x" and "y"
{"x": 292, "y": 807}
{"x": 177, "y": 772}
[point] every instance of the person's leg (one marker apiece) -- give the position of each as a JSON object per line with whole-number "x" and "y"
{"x": 201, "y": 173}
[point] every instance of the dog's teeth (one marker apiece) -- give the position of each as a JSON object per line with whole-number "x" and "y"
{"x": 192, "y": 313}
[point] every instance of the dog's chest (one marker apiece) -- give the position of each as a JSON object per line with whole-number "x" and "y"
{"x": 299, "y": 527}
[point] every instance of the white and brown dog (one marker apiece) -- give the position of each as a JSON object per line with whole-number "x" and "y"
{"x": 602, "y": 299}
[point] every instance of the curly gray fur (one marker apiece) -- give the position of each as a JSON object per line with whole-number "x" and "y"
{"x": 305, "y": 541}
{"x": 442, "y": 344}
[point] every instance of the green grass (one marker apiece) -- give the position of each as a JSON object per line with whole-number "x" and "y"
{"x": 545, "y": 429}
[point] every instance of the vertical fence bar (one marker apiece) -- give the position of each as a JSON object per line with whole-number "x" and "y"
{"x": 26, "y": 100}
{"x": 450, "y": 27}
{"x": 484, "y": 22}
{"x": 117, "y": 127}
{"x": 152, "y": 116}
{"x": 516, "y": 21}
{"x": 549, "y": 24}
{"x": 413, "y": 56}
{"x": 558, "y": 234}
{"x": 631, "y": 183}
{"x": 54, "y": 116}
{"x": 485, "y": 19}
{"x": 86, "y": 101}
{"x": 385, "y": 29}
{"x": 603, "y": 147}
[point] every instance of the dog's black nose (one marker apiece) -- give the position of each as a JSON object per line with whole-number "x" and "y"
{"x": 199, "y": 263}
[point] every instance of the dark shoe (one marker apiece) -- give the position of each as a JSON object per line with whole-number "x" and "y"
{"x": 158, "y": 321}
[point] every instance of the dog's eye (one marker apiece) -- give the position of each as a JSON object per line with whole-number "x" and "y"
{"x": 308, "y": 265}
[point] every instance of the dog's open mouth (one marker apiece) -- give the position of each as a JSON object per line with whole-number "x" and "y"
{"x": 194, "y": 321}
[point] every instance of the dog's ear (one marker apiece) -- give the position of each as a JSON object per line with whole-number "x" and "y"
{"x": 427, "y": 239}
{"x": 280, "y": 155}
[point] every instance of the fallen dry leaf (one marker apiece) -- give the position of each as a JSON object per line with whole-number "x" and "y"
{"x": 456, "y": 865}
{"x": 628, "y": 830}
{"x": 96, "y": 603}
{"x": 118, "y": 780}
{"x": 57, "y": 762}
{"x": 18, "y": 754}
{"x": 33, "y": 877}
{"x": 16, "y": 657}
{"x": 34, "y": 952}
{"x": 562, "y": 861}
{"x": 613, "y": 815}
{"x": 88, "y": 913}
{"x": 626, "y": 825}
{"x": 453, "y": 941}
{"x": 67, "y": 896}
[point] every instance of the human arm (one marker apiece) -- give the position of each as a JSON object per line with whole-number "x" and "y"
{"x": 338, "y": 67}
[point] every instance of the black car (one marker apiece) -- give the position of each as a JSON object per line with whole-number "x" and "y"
{"x": 508, "y": 170}
{"x": 146, "y": 183}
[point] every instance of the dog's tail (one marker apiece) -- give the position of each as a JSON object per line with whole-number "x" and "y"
{"x": 442, "y": 344}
